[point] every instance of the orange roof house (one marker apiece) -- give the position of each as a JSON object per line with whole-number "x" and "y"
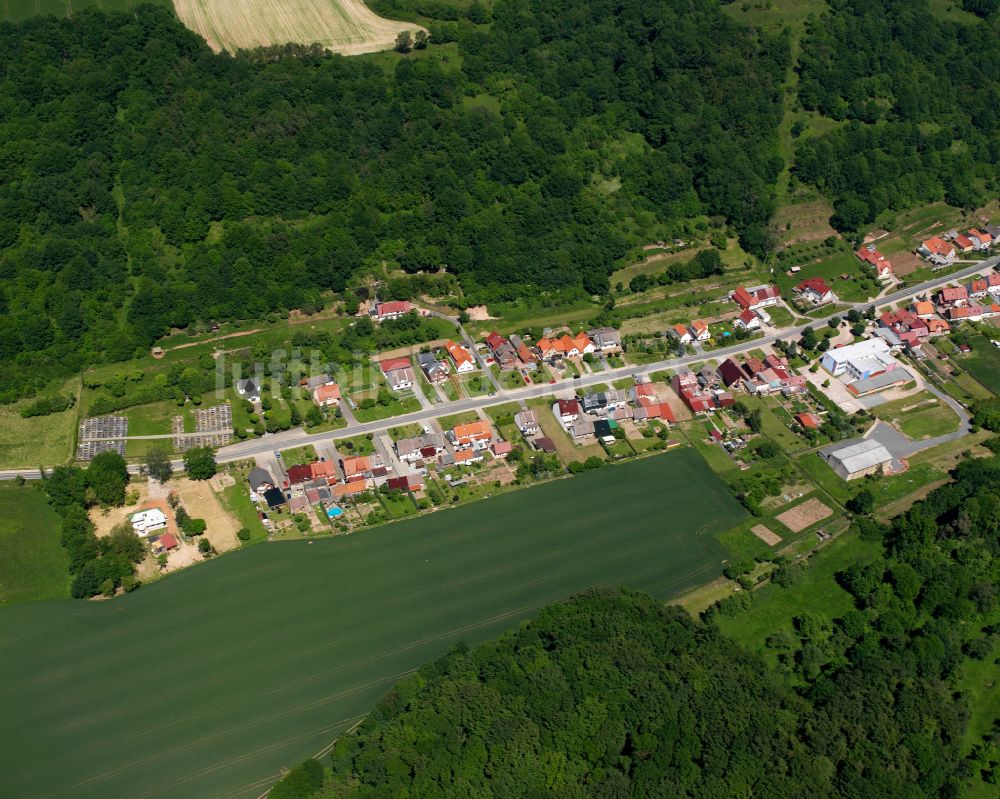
{"x": 936, "y": 246}
{"x": 809, "y": 421}
{"x": 342, "y": 490}
{"x": 924, "y": 308}
{"x": 356, "y": 464}
{"x": 322, "y": 469}
{"x": 461, "y": 356}
{"x": 465, "y": 434}
{"x": 327, "y": 395}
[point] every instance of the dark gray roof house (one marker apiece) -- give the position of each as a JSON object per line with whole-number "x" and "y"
{"x": 259, "y": 478}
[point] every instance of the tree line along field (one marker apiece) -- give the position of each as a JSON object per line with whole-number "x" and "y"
{"x": 17, "y": 10}
{"x": 207, "y": 683}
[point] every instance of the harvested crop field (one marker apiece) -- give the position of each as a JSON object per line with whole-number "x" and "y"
{"x": 766, "y": 535}
{"x": 348, "y": 27}
{"x": 801, "y": 516}
{"x": 206, "y": 683}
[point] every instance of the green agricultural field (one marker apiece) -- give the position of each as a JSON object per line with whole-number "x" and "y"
{"x": 33, "y": 564}
{"x": 206, "y": 683}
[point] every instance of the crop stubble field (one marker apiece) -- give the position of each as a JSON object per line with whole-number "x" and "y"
{"x": 343, "y": 26}
{"x": 206, "y": 683}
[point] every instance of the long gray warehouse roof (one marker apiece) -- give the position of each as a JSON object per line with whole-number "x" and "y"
{"x": 862, "y": 455}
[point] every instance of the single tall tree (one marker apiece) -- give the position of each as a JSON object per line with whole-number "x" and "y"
{"x": 158, "y": 464}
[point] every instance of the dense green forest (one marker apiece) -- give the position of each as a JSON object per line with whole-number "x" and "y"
{"x": 614, "y": 695}
{"x": 920, "y": 102}
{"x": 149, "y": 183}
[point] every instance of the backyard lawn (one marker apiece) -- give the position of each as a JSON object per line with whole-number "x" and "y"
{"x": 983, "y": 362}
{"x": 33, "y": 564}
{"x": 258, "y": 659}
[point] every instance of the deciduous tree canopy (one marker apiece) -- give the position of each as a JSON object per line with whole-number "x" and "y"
{"x": 149, "y": 183}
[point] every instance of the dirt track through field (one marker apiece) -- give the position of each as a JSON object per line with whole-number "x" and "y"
{"x": 348, "y": 27}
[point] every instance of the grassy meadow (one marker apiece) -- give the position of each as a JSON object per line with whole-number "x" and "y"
{"x": 206, "y": 683}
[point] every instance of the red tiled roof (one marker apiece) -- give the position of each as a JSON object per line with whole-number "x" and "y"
{"x": 809, "y": 420}
{"x": 814, "y": 284}
{"x": 392, "y": 364}
{"x": 167, "y": 541}
{"x": 299, "y": 474}
{"x": 742, "y": 297}
{"x": 325, "y": 393}
{"x": 568, "y": 407}
{"x": 322, "y": 468}
{"x": 392, "y": 307}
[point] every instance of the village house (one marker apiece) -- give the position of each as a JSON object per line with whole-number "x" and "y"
{"x": 406, "y": 482}
{"x": 730, "y": 373}
{"x": 963, "y": 243}
{"x": 952, "y": 296}
{"x": 312, "y": 383}
{"x": 808, "y": 421}
{"x": 697, "y": 399}
{"x": 392, "y": 309}
{"x": 260, "y": 481}
{"x": 502, "y": 350}
{"x": 476, "y": 435}
{"x": 528, "y": 359}
{"x": 980, "y": 239}
{"x": 993, "y": 231}
{"x": 501, "y": 449}
{"x": 973, "y": 313}
{"x": 145, "y": 521}
{"x": 326, "y": 395}
{"x": 568, "y": 411}
{"x": 398, "y": 373}
{"x": 461, "y": 357}
{"x": 651, "y": 408}
{"x": 356, "y": 468}
{"x": 681, "y": 333}
{"x": 527, "y": 422}
{"x": 770, "y": 378}
{"x": 605, "y": 339}
{"x": 700, "y": 331}
{"x": 298, "y": 475}
{"x": 910, "y": 329}
{"x": 871, "y": 256}
{"x": 434, "y": 370}
{"x": 602, "y": 402}
{"x": 937, "y": 250}
{"x": 924, "y": 309}
{"x": 565, "y": 346}
{"x": 750, "y": 299}
{"x": 816, "y": 291}
{"x": 747, "y": 320}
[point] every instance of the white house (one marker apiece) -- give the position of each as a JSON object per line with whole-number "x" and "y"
{"x": 145, "y": 521}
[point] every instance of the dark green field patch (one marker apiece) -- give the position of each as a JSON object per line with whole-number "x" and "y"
{"x": 207, "y": 682}
{"x": 17, "y": 10}
{"x": 33, "y": 564}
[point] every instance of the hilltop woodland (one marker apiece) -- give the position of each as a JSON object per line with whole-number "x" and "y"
{"x": 614, "y": 695}
{"x": 919, "y": 102}
{"x": 149, "y": 183}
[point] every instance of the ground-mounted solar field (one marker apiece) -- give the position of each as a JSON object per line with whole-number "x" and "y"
{"x": 206, "y": 683}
